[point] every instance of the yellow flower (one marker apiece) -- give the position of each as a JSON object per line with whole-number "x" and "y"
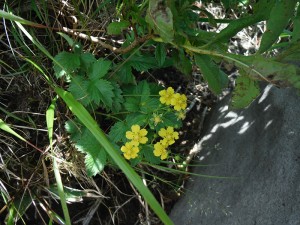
{"x": 166, "y": 96}
{"x": 137, "y": 135}
{"x": 160, "y": 150}
{"x": 156, "y": 118}
{"x": 130, "y": 150}
{"x": 168, "y": 135}
{"x": 180, "y": 115}
{"x": 179, "y": 101}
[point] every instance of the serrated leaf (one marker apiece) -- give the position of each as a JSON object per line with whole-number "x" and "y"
{"x": 99, "y": 69}
{"x": 215, "y": 78}
{"x": 170, "y": 119}
{"x": 101, "y": 91}
{"x": 116, "y": 28}
{"x": 149, "y": 156}
{"x": 136, "y": 118}
{"x": 160, "y": 53}
{"x": 160, "y": 18}
{"x": 132, "y": 104}
{"x": 95, "y": 162}
{"x": 118, "y": 99}
{"x": 117, "y": 131}
{"x": 143, "y": 90}
{"x": 280, "y": 15}
{"x": 125, "y": 75}
{"x": 149, "y": 105}
{"x": 86, "y": 60}
{"x": 74, "y": 129}
{"x": 142, "y": 63}
{"x": 245, "y": 92}
{"x": 78, "y": 88}
{"x": 69, "y": 62}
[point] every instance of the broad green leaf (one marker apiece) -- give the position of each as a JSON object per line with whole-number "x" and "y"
{"x": 69, "y": 62}
{"x": 133, "y": 177}
{"x": 74, "y": 129}
{"x": 95, "y": 162}
{"x": 279, "y": 17}
{"x": 142, "y": 62}
{"x": 160, "y": 18}
{"x": 149, "y": 105}
{"x": 116, "y": 28}
{"x": 136, "y": 118}
{"x": 124, "y": 74}
{"x": 215, "y": 78}
{"x": 132, "y": 104}
{"x": 86, "y": 60}
{"x": 160, "y": 53}
{"x": 117, "y": 131}
{"x": 117, "y": 99}
{"x": 147, "y": 152}
{"x": 101, "y": 91}
{"x": 170, "y": 119}
{"x": 245, "y": 92}
{"x": 78, "y": 88}
{"x": 99, "y": 69}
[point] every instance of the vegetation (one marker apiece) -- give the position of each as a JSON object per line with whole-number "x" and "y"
{"x": 83, "y": 72}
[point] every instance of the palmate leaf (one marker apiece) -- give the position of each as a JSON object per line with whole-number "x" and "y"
{"x": 78, "y": 88}
{"x": 149, "y": 156}
{"x": 99, "y": 69}
{"x": 117, "y": 131}
{"x": 116, "y": 28}
{"x": 101, "y": 91}
{"x": 69, "y": 62}
{"x": 125, "y": 74}
{"x": 86, "y": 60}
{"x": 96, "y": 157}
{"x": 160, "y": 53}
{"x": 117, "y": 99}
{"x": 142, "y": 62}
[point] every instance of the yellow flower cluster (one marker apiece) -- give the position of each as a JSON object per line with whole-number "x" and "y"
{"x": 169, "y": 97}
{"x": 169, "y": 136}
{"x": 136, "y": 136}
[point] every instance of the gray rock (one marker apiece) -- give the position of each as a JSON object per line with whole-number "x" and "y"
{"x": 258, "y": 150}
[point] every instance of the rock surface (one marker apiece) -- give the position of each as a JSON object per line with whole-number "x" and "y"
{"x": 258, "y": 149}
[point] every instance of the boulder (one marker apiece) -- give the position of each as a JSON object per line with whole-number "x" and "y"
{"x": 257, "y": 150}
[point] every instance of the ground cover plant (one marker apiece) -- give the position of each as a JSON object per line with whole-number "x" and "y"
{"x": 93, "y": 90}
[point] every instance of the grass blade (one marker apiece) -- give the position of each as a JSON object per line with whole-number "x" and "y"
{"x": 50, "y": 122}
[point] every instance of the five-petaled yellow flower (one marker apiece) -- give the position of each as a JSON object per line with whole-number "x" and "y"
{"x": 169, "y": 135}
{"x": 130, "y": 150}
{"x": 179, "y": 101}
{"x": 137, "y": 135}
{"x": 160, "y": 150}
{"x": 166, "y": 96}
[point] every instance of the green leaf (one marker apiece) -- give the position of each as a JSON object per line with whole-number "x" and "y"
{"x": 170, "y": 119}
{"x": 147, "y": 152}
{"x": 245, "y": 92}
{"x": 101, "y": 90}
{"x": 86, "y": 60}
{"x": 125, "y": 75}
{"x": 74, "y": 129}
{"x": 78, "y": 88}
{"x": 136, "y": 118}
{"x": 117, "y": 99}
{"x": 95, "y": 162}
{"x": 215, "y": 78}
{"x": 95, "y": 159}
{"x": 160, "y": 53}
{"x": 69, "y": 62}
{"x": 296, "y": 27}
{"x": 279, "y": 17}
{"x": 116, "y": 28}
{"x": 117, "y": 131}
{"x": 142, "y": 62}
{"x": 182, "y": 62}
{"x": 149, "y": 105}
{"x": 99, "y": 69}
{"x": 70, "y": 41}
{"x": 132, "y": 104}
{"x": 160, "y": 19}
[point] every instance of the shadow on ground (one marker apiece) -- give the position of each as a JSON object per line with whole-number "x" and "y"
{"x": 258, "y": 149}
